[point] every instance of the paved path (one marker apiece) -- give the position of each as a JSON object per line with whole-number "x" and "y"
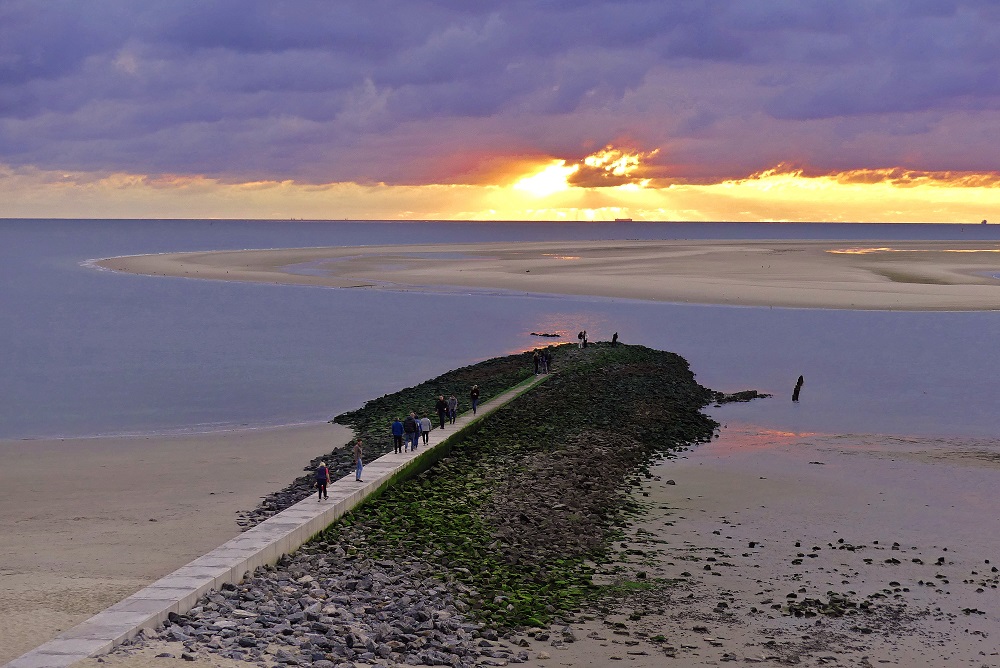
{"x": 262, "y": 545}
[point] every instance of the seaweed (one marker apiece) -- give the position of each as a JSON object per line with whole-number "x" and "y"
{"x": 526, "y": 504}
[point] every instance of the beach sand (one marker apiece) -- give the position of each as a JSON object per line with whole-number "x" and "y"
{"x": 87, "y": 522}
{"x": 817, "y": 274}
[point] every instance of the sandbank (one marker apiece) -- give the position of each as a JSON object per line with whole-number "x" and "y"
{"x": 86, "y": 522}
{"x": 801, "y": 274}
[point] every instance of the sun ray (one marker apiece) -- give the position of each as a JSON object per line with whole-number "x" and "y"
{"x": 552, "y": 179}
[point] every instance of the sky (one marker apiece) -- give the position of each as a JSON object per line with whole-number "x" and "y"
{"x": 770, "y": 110}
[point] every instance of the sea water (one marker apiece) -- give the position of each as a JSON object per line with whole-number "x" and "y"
{"x": 89, "y": 352}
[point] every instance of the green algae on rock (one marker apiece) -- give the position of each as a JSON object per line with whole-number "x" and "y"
{"x": 529, "y": 499}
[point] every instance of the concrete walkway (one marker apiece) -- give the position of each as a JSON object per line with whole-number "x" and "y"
{"x": 262, "y": 545}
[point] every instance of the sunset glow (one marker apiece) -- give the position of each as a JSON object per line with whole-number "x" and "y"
{"x": 547, "y": 193}
{"x": 461, "y": 116}
{"x": 550, "y": 180}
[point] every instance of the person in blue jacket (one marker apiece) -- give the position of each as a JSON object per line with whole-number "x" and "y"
{"x": 397, "y": 435}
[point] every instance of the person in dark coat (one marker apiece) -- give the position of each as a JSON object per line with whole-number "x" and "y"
{"x": 442, "y": 409}
{"x": 411, "y": 431}
{"x": 322, "y": 480}
{"x": 474, "y": 398}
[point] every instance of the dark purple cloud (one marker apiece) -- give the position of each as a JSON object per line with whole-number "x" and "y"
{"x": 405, "y": 92}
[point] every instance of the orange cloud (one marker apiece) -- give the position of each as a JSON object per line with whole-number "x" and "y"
{"x": 899, "y": 177}
{"x": 613, "y": 166}
{"x": 544, "y": 189}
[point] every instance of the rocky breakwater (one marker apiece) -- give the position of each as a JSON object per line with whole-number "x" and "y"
{"x": 372, "y": 424}
{"x": 501, "y": 536}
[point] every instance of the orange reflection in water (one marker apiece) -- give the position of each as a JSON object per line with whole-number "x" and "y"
{"x": 561, "y": 257}
{"x": 887, "y": 249}
{"x": 745, "y": 437}
{"x": 567, "y": 325}
{"x": 542, "y": 343}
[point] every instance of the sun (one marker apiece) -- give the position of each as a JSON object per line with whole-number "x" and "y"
{"x": 552, "y": 179}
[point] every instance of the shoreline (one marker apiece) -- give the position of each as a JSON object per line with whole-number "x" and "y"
{"x": 167, "y": 433}
{"x": 914, "y": 276}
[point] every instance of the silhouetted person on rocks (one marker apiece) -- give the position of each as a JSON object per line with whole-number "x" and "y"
{"x": 798, "y": 386}
{"x": 614, "y": 339}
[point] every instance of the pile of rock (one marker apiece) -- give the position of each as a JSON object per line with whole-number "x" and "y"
{"x": 327, "y": 606}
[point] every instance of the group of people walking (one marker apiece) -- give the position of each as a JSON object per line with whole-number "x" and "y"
{"x": 409, "y": 431}
{"x": 406, "y": 435}
{"x": 322, "y": 475}
{"x": 542, "y": 359}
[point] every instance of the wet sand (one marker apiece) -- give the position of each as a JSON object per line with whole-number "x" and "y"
{"x": 756, "y": 521}
{"x": 815, "y": 274}
{"x": 86, "y": 522}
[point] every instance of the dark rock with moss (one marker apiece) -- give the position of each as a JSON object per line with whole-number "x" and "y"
{"x": 745, "y": 395}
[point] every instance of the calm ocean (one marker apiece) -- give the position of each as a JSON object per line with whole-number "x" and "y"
{"x": 89, "y": 352}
